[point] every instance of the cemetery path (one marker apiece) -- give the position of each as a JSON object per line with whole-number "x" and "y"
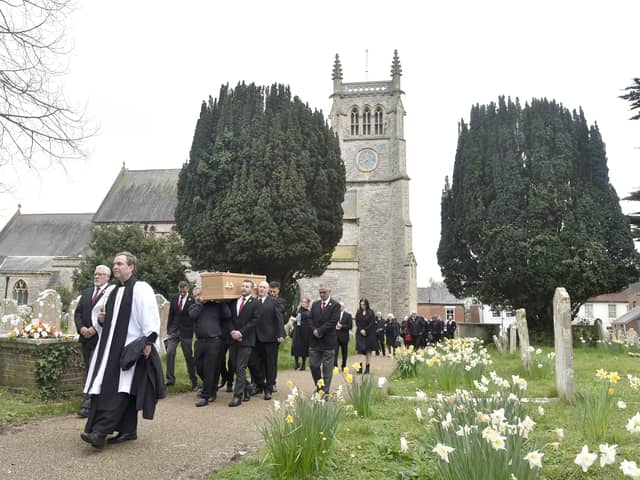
{"x": 182, "y": 442}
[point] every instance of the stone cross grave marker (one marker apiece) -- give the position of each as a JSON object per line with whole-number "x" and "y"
{"x": 563, "y": 341}
{"x": 523, "y": 334}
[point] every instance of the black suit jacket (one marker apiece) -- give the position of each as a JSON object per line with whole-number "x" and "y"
{"x": 325, "y": 322}
{"x": 347, "y": 323}
{"x": 246, "y": 322}
{"x": 270, "y": 324}
{"x": 82, "y": 316}
{"x": 179, "y": 323}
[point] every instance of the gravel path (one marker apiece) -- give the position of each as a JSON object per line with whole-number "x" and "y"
{"x": 182, "y": 442}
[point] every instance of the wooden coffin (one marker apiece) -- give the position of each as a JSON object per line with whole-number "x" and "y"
{"x": 226, "y": 285}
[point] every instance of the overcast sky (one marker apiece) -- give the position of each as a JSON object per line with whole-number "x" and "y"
{"x": 142, "y": 68}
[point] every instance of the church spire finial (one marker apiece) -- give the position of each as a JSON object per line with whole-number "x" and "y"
{"x": 396, "y": 69}
{"x": 337, "y": 69}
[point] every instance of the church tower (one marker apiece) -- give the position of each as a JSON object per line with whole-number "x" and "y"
{"x": 375, "y": 256}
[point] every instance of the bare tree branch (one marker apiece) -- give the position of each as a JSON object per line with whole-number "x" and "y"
{"x": 38, "y": 126}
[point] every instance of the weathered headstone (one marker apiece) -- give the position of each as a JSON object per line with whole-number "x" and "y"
{"x": 48, "y": 308}
{"x": 601, "y": 333}
{"x": 71, "y": 324}
{"x": 621, "y": 335}
{"x": 163, "y": 309}
{"x": 513, "y": 338}
{"x": 9, "y": 322}
{"x": 8, "y": 306}
{"x": 523, "y": 335}
{"x": 632, "y": 337}
{"x": 563, "y": 344}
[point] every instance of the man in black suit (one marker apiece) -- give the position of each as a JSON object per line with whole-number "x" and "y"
{"x": 212, "y": 325}
{"x": 345, "y": 322}
{"x": 180, "y": 331}
{"x": 325, "y": 314}
{"x": 82, "y": 318}
{"x": 450, "y": 328}
{"x": 269, "y": 335}
{"x": 244, "y": 317}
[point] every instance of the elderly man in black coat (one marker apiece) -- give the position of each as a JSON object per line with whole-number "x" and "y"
{"x": 325, "y": 314}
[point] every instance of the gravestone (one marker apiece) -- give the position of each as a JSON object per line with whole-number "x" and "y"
{"x": 71, "y": 324}
{"x": 621, "y": 335}
{"x": 601, "y": 333}
{"x": 48, "y": 308}
{"x": 563, "y": 340}
{"x": 632, "y": 337}
{"x": 513, "y": 338}
{"x": 523, "y": 335}
{"x": 501, "y": 342}
{"x": 9, "y": 322}
{"x": 163, "y": 309}
{"x": 8, "y": 306}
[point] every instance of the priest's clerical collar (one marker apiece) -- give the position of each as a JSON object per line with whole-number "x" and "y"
{"x": 128, "y": 282}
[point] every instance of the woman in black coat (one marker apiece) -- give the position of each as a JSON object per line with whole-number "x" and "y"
{"x": 392, "y": 332}
{"x": 366, "y": 340}
{"x": 302, "y": 332}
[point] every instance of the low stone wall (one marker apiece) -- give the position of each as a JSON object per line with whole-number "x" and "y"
{"x": 18, "y": 362}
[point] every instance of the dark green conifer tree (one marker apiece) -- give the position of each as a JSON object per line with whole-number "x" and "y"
{"x": 530, "y": 209}
{"x": 263, "y": 188}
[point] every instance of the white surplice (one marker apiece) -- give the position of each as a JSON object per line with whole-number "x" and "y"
{"x": 144, "y": 320}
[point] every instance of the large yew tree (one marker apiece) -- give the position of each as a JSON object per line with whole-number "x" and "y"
{"x": 263, "y": 188}
{"x": 530, "y": 209}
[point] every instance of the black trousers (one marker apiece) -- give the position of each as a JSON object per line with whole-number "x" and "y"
{"x": 120, "y": 416}
{"x": 208, "y": 354}
{"x": 265, "y": 364}
{"x": 380, "y": 343}
{"x": 344, "y": 346}
{"x": 171, "y": 345}
{"x": 240, "y": 355}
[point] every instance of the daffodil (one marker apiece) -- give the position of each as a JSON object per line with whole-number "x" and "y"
{"x": 534, "y": 458}
{"x": 607, "y": 454}
{"x": 585, "y": 459}
{"x": 289, "y": 419}
{"x": 289, "y": 384}
{"x": 348, "y": 378}
{"x": 357, "y": 367}
{"x": 320, "y": 383}
{"x": 336, "y": 370}
{"x": 443, "y": 451}
{"x": 614, "y": 377}
{"x": 601, "y": 373}
{"x": 621, "y": 405}
{"x": 630, "y": 469}
{"x": 404, "y": 446}
{"x": 633, "y": 425}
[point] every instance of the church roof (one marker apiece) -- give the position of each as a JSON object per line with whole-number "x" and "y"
{"x": 46, "y": 234}
{"x": 25, "y": 264}
{"x": 141, "y": 196}
{"x": 437, "y": 294}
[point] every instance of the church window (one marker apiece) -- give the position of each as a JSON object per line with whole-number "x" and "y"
{"x": 366, "y": 121}
{"x": 355, "y": 121}
{"x": 20, "y": 292}
{"x": 378, "y": 130}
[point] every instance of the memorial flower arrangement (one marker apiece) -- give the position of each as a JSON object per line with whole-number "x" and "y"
{"x": 37, "y": 329}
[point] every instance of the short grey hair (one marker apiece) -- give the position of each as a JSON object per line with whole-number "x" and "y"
{"x": 104, "y": 268}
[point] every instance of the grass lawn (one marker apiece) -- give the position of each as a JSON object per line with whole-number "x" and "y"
{"x": 370, "y": 448}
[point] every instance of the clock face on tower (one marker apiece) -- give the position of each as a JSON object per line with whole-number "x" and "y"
{"x": 367, "y": 159}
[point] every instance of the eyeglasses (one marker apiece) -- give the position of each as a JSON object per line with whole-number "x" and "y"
{"x": 98, "y": 273}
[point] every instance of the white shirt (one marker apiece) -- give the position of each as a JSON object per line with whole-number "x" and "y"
{"x": 144, "y": 320}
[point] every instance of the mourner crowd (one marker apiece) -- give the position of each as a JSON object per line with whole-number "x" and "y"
{"x": 236, "y": 344}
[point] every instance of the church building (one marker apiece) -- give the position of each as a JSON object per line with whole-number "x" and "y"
{"x": 374, "y": 258}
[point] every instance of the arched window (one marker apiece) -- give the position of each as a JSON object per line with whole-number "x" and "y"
{"x": 355, "y": 121}
{"x": 21, "y": 292}
{"x": 378, "y": 121}
{"x": 366, "y": 121}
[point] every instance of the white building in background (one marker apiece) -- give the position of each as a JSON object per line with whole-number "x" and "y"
{"x": 606, "y": 307}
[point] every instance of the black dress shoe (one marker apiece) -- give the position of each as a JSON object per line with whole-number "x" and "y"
{"x": 235, "y": 402}
{"x": 202, "y": 402}
{"x": 96, "y": 440}
{"x": 246, "y": 397}
{"x": 229, "y": 387}
{"x": 168, "y": 383}
{"x": 267, "y": 395}
{"x": 123, "y": 437}
{"x": 221, "y": 386}
{"x": 83, "y": 412}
